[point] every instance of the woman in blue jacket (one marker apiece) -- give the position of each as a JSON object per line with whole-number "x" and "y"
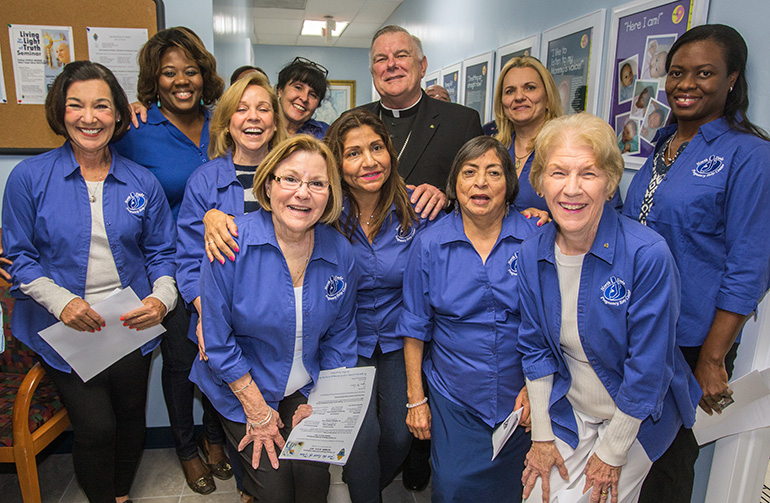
{"x": 705, "y": 189}
{"x": 460, "y": 294}
{"x": 78, "y": 222}
{"x": 278, "y": 315}
{"x": 379, "y": 220}
{"x": 599, "y": 300}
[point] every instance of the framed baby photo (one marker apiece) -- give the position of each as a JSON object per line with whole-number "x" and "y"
{"x": 641, "y": 34}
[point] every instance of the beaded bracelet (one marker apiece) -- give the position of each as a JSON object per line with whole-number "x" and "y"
{"x": 239, "y": 390}
{"x": 413, "y": 405}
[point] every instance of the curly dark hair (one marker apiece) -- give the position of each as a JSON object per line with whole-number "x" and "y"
{"x": 185, "y": 39}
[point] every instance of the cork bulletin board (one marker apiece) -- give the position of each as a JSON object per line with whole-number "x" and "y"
{"x": 23, "y": 127}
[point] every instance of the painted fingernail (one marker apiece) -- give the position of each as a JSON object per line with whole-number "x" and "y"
{"x": 232, "y": 258}
{"x": 539, "y": 224}
{"x": 529, "y": 216}
{"x": 237, "y": 249}
{"x": 222, "y": 261}
{"x": 211, "y": 259}
{"x": 122, "y": 318}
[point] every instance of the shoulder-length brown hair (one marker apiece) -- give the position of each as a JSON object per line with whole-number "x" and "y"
{"x": 393, "y": 191}
{"x": 185, "y": 39}
{"x": 221, "y": 141}
{"x": 78, "y": 71}
{"x": 553, "y": 108}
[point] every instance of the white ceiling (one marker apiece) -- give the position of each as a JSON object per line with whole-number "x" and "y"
{"x": 279, "y": 22}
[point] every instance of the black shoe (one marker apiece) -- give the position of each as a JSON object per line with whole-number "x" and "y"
{"x": 416, "y": 474}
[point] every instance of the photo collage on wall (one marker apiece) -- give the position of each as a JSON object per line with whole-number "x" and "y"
{"x": 639, "y": 106}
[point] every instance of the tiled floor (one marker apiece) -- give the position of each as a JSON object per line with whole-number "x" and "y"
{"x": 160, "y": 480}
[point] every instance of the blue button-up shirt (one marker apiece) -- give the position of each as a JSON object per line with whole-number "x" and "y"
{"x": 627, "y": 309}
{"x": 381, "y": 277}
{"x": 213, "y": 185}
{"x": 47, "y": 232}
{"x": 162, "y": 148}
{"x": 470, "y": 312}
{"x": 713, "y": 209}
{"x": 249, "y": 314}
{"x": 314, "y": 128}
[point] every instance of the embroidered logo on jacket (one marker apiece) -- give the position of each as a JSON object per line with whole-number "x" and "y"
{"x": 136, "y": 202}
{"x": 513, "y": 264}
{"x": 709, "y": 167}
{"x": 614, "y": 292}
{"x": 335, "y": 287}
{"x": 404, "y": 236}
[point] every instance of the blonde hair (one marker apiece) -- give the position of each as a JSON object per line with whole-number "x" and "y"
{"x": 553, "y": 109}
{"x": 300, "y": 143}
{"x": 579, "y": 130}
{"x": 220, "y": 140}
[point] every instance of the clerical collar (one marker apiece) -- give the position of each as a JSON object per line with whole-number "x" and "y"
{"x": 401, "y": 112}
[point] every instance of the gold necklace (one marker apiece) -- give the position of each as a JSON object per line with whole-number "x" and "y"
{"x": 301, "y": 272}
{"x": 667, "y": 152}
{"x": 520, "y": 160}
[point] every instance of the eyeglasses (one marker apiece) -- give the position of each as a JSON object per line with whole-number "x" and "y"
{"x": 293, "y": 183}
{"x": 305, "y": 61}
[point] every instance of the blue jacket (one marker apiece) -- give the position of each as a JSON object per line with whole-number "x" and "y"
{"x": 249, "y": 320}
{"x": 470, "y": 312}
{"x": 712, "y": 209}
{"x": 213, "y": 185}
{"x": 380, "y": 282}
{"x": 628, "y": 305}
{"x": 162, "y": 148}
{"x": 47, "y": 232}
{"x": 314, "y": 128}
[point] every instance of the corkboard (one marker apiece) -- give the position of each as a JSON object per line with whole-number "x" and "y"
{"x": 23, "y": 128}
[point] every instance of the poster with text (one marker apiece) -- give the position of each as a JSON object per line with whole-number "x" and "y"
{"x": 477, "y": 84}
{"x": 39, "y": 55}
{"x": 642, "y": 34}
{"x": 450, "y": 80}
{"x": 568, "y": 61}
{"x": 117, "y": 49}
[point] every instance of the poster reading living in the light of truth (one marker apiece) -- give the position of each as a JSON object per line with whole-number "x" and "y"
{"x": 639, "y": 72}
{"x": 39, "y": 55}
{"x": 117, "y": 49}
{"x": 449, "y": 82}
{"x": 476, "y": 87}
{"x": 568, "y": 61}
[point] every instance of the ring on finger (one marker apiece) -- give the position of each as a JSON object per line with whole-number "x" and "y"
{"x": 604, "y": 492}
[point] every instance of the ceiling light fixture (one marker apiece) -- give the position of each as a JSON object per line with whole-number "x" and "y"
{"x": 316, "y": 28}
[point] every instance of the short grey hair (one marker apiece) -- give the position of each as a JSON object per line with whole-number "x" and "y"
{"x": 392, "y": 28}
